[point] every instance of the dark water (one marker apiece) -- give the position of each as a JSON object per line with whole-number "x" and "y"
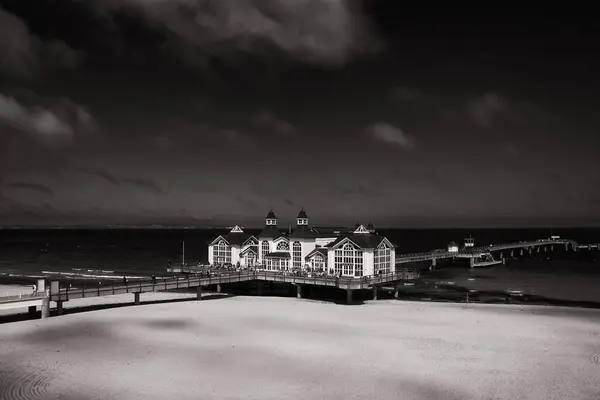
{"x": 102, "y": 254}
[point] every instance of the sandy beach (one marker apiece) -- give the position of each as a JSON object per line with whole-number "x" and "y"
{"x": 284, "y": 348}
{"x": 13, "y": 290}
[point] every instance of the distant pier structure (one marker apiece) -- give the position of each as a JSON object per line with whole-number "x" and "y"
{"x": 480, "y": 256}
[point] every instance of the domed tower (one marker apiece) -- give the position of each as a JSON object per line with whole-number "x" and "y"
{"x": 302, "y": 231}
{"x": 302, "y": 219}
{"x": 271, "y": 220}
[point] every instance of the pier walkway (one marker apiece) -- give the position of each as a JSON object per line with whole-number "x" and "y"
{"x": 474, "y": 252}
{"x": 346, "y": 283}
{"x": 60, "y": 295}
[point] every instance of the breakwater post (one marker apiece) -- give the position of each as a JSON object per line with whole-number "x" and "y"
{"x": 199, "y": 292}
{"x": 46, "y": 304}
{"x": 55, "y": 288}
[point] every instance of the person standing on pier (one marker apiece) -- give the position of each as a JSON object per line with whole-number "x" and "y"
{"x": 124, "y": 280}
{"x": 34, "y": 289}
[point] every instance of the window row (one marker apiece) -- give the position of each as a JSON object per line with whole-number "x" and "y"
{"x": 383, "y": 261}
{"x": 222, "y": 253}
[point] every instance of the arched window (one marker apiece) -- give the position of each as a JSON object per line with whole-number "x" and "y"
{"x": 283, "y": 246}
{"x": 348, "y": 261}
{"x": 382, "y": 260}
{"x": 266, "y": 249}
{"x": 222, "y": 253}
{"x": 317, "y": 262}
{"x": 297, "y": 255}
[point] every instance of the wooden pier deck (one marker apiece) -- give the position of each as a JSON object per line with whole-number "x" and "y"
{"x": 194, "y": 281}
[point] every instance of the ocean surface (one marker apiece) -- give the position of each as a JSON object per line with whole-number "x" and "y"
{"x": 105, "y": 254}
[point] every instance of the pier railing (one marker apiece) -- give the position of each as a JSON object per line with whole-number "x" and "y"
{"x": 192, "y": 281}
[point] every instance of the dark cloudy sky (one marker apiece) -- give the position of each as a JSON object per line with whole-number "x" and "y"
{"x": 202, "y": 111}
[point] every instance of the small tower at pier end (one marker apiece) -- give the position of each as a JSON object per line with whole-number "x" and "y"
{"x": 469, "y": 243}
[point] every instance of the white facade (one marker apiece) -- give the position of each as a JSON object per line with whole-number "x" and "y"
{"x": 233, "y": 248}
{"x": 358, "y": 253}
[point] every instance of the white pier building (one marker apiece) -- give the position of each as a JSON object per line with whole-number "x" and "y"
{"x": 356, "y": 253}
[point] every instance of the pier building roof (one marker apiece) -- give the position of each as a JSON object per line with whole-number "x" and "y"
{"x": 302, "y": 214}
{"x": 250, "y": 249}
{"x": 235, "y": 237}
{"x": 270, "y": 232}
{"x": 303, "y": 232}
{"x": 271, "y": 215}
{"x": 319, "y": 250}
{"x": 362, "y": 238}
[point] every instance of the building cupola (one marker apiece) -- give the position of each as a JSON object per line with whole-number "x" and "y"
{"x": 371, "y": 227}
{"x": 271, "y": 219}
{"x": 302, "y": 219}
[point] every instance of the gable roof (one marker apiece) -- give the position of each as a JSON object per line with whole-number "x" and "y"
{"x": 250, "y": 249}
{"x": 319, "y": 250}
{"x": 386, "y": 242}
{"x": 236, "y": 229}
{"x": 236, "y": 239}
{"x": 361, "y": 229}
{"x": 233, "y": 239}
{"x": 249, "y": 239}
{"x": 362, "y": 240}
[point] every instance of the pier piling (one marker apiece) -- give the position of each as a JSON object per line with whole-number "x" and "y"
{"x": 136, "y": 298}
{"x": 46, "y": 304}
{"x": 348, "y": 296}
{"x": 218, "y": 288}
{"x": 199, "y": 292}
{"x": 32, "y": 311}
{"x": 298, "y": 291}
{"x": 374, "y": 292}
{"x": 59, "y": 307}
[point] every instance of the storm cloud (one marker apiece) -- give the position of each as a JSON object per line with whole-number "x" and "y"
{"x": 324, "y": 32}
{"x": 26, "y": 55}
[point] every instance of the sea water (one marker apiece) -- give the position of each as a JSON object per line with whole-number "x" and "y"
{"x": 109, "y": 254}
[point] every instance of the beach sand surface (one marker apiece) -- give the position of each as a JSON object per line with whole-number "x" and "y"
{"x": 285, "y": 348}
{"x": 14, "y": 290}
